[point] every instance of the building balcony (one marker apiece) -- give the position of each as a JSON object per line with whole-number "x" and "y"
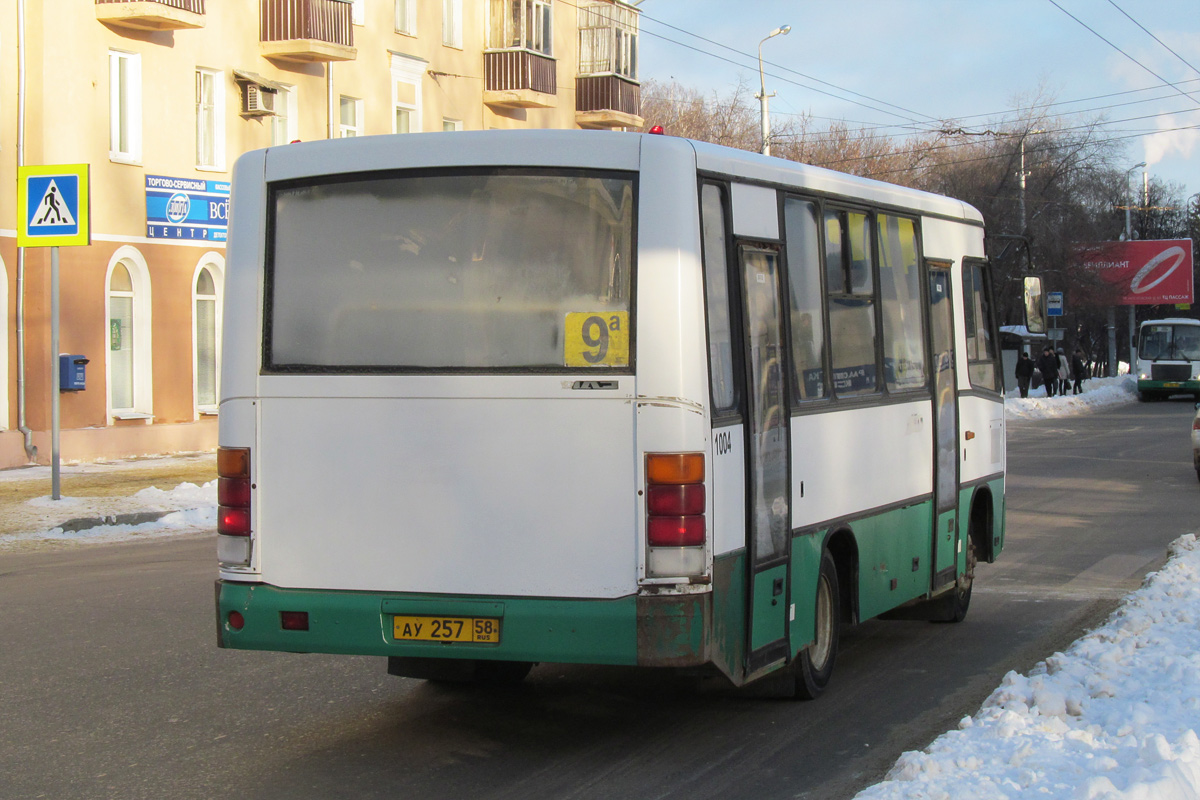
{"x": 151, "y": 15}
{"x": 306, "y": 30}
{"x": 519, "y": 79}
{"x": 607, "y": 101}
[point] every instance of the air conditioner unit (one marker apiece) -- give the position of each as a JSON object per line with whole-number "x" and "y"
{"x": 257, "y": 99}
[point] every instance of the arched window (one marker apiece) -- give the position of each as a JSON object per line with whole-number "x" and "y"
{"x": 128, "y": 363}
{"x": 120, "y": 339}
{"x": 206, "y": 316}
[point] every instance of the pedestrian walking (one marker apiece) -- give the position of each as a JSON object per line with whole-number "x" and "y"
{"x": 1064, "y": 372}
{"x": 1047, "y": 364}
{"x": 1078, "y": 368}
{"x": 1024, "y": 372}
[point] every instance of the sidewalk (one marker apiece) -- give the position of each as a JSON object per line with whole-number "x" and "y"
{"x": 95, "y": 494}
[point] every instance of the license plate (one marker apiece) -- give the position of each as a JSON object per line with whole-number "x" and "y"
{"x": 477, "y": 630}
{"x": 1172, "y": 384}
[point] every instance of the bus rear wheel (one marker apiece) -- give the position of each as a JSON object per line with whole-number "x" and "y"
{"x": 814, "y": 666}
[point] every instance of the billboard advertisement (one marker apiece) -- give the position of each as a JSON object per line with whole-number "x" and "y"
{"x": 1145, "y": 273}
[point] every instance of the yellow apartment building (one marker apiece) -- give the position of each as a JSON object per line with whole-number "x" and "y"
{"x": 160, "y": 97}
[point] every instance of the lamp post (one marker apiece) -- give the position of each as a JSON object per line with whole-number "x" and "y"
{"x": 1112, "y": 311}
{"x": 762, "y": 90}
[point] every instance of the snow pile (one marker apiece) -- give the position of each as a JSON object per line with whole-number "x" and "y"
{"x": 1113, "y": 718}
{"x": 187, "y": 508}
{"x": 1097, "y": 393}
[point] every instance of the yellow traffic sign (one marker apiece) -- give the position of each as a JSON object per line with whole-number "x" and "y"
{"x": 53, "y": 206}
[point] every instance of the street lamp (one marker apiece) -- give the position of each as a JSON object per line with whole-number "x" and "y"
{"x": 1112, "y": 312}
{"x": 762, "y": 90}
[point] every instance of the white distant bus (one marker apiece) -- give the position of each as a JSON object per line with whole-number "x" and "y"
{"x": 497, "y": 398}
{"x": 1168, "y": 358}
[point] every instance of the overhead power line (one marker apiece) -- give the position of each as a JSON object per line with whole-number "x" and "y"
{"x": 1122, "y": 52}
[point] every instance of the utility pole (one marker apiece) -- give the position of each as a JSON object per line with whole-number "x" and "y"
{"x": 1112, "y": 311}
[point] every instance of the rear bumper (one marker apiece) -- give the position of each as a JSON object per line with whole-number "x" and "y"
{"x": 553, "y": 630}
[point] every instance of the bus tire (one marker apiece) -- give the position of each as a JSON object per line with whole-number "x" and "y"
{"x": 814, "y": 665}
{"x": 501, "y": 673}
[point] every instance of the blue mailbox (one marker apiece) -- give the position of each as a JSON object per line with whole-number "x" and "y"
{"x": 72, "y": 373}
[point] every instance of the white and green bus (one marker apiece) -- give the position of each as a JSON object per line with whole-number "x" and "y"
{"x": 497, "y": 398}
{"x": 1168, "y": 358}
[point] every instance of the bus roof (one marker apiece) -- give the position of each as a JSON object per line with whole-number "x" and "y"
{"x": 584, "y": 149}
{"x": 1172, "y": 321}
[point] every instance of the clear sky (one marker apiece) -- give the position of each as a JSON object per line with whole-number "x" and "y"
{"x": 913, "y": 63}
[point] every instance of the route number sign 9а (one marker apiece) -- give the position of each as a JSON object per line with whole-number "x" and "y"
{"x": 597, "y": 339}
{"x": 53, "y": 206}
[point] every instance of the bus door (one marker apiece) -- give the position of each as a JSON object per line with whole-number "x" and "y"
{"x": 768, "y": 524}
{"x": 945, "y": 427}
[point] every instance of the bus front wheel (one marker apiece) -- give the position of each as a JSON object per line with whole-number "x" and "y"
{"x": 814, "y": 666}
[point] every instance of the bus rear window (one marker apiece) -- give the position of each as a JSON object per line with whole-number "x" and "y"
{"x": 499, "y": 272}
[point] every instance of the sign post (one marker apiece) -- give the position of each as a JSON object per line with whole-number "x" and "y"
{"x": 53, "y": 211}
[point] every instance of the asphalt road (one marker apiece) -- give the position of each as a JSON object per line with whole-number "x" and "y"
{"x": 112, "y": 686}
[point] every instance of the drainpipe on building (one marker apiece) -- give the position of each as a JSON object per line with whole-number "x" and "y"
{"x": 330, "y": 111}
{"x": 30, "y": 450}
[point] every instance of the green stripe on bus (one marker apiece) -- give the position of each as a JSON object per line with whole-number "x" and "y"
{"x": 360, "y": 623}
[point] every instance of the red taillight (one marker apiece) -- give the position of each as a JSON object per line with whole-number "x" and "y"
{"x": 675, "y": 500}
{"x": 233, "y": 491}
{"x": 233, "y": 521}
{"x": 676, "y": 531}
{"x": 293, "y": 620}
{"x": 236, "y": 620}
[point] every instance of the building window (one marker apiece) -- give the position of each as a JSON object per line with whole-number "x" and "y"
{"x": 356, "y": 12}
{"x": 283, "y": 124}
{"x": 406, "y": 17}
{"x": 125, "y": 106}
{"x": 128, "y": 365}
{"x": 608, "y": 40}
{"x": 206, "y": 305}
{"x": 351, "y": 117}
{"x": 210, "y": 120}
{"x": 406, "y": 93}
{"x": 452, "y": 32}
{"x": 522, "y": 24}
{"x": 451, "y": 124}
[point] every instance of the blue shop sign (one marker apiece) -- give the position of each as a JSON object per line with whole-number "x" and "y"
{"x": 186, "y": 208}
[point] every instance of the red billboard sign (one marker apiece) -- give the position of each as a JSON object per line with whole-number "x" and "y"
{"x": 1146, "y": 273}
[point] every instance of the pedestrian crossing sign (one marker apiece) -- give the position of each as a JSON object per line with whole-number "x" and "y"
{"x": 52, "y": 206}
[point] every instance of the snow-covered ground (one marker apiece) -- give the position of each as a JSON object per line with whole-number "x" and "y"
{"x": 1113, "y": 718}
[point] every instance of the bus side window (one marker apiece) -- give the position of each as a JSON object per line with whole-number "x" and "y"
{"x": 851, "y": 302}
{"x": 716, "y": 280}
{"x": 806, "y": 301}
{"x": 981, "y": 344}
{"x": 900, "y": 304}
